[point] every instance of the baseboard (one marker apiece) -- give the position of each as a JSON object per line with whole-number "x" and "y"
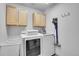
{"x": 54, "y": 55}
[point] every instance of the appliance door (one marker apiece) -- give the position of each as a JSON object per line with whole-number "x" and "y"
{"x": 33, "y": 47}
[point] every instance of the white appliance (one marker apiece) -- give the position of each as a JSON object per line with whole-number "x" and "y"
{"x": 33, "y": 37}
{"x": 10, "y": 48}
{"x": 47, "y": 43}
{"x": 30, "y": 32}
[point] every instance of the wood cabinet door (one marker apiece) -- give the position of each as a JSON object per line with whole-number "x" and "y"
{"x": 36, "y": 19}
{"x": 22, "y": 15}
{"x": 42, "y": 20}
{"x": 39, "y": 19}
{"x": 11, "y": 15}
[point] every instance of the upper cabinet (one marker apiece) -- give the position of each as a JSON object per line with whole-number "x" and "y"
{"x": 16, "y": 16}
{"x": 42, "y": 20}
{"x": 36, "y": 19}
{"x": 39, "y": 19}
{"x": 11, "y": 15}
{"x": 22, "y": 15}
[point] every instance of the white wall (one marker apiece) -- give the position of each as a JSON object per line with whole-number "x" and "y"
{"x": 3, "y": 34}
{"x": 68, "y": 29}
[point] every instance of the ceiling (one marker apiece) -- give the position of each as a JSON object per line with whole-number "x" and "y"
{"x": 39, "y": 6}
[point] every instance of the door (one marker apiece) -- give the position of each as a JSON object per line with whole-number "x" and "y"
{"x": 42, "y": 20}
{"x": 22, "y": 15}
{"x": 36, "y": 19}
{"x": 39, "y": 19}
{"x": 11, "y": 15}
